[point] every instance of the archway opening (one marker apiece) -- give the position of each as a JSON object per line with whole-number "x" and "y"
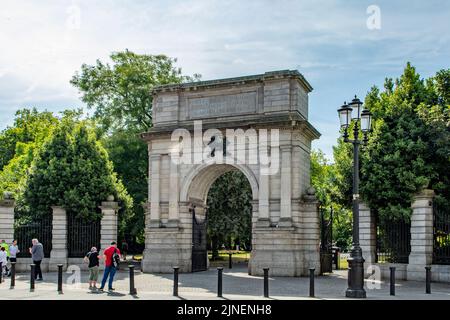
{"x": 229, "y": 220}
{"x": 220, "y": 197}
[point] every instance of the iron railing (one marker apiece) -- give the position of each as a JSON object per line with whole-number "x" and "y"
{"x": 393, "y": 241}
{"x": 35, "y": 228}
{"x": 82, "y": 235}
{"x": 441, "y": 235}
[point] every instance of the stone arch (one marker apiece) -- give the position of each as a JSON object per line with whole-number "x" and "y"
{"x": 200, "y": 178}
{"x": 285, "y": 219}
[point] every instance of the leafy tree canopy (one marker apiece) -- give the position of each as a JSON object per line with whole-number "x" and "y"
{"x": 409, "y": 148}
{"x": 72, "y": 170}
{"x": 121, "y": 93}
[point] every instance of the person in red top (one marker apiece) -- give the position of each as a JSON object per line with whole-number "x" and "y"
{"x": 110, "y": 269}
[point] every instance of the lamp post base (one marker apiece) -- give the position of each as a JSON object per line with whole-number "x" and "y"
{"x": 355, "y": 275}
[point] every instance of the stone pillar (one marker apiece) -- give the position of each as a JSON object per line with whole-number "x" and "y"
{"x": 173, "y": 195}
{"x": 421, "y": 235}
{"x": 310, "y": 232}
{"x": 155, "y": 163}
{"x": 108, "y": 230}
{"x": 367, "y": 234}
{"x": 59, "y": 253}
{"x": 286, "y": 187}
{"x": 7, "y": 219}
{"x": 169, "y": 246}
{"x": 263, "y": 197}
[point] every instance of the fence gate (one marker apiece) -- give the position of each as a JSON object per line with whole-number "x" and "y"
{"x": 82, "y": 235}
{"x": 393, "y": 241}
{"x": 326, "y": 242}
{"x": 199, "y": 244}
{"x": 441, "y": 234}
{"x": 27, "y": 228}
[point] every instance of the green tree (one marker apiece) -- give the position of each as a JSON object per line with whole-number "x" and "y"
{"x": 18, "y": 145}
{"x": 410, "y": 146}
{"x": 129, "y": 156}
{"x": 72, "y": 170}
{"x": 29, "y": 126}
{"x": 121, "y": 93}
{"x": 229, "y": 211}
{"x": 327, "y": 181}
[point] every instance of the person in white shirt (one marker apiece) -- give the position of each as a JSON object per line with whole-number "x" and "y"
{"x": 3, "y": 259}
{"x": 13, "y": 251}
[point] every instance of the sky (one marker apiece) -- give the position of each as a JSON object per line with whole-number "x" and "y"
{"x": 342, "y": 47}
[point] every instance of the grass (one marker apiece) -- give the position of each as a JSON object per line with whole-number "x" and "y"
{"x": 238, "y": 257}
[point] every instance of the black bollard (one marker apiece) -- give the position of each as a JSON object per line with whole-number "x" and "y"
{"x": 428, "y": 280}
{"x": 133, "y": 290}
{"x": 60, "y": 272}
{"x": 32, "y": 275}
{"x": 311, "y": 282}
{"x": 392, "y": 284}
{"x": 219, "y": 281}
{"x": 1, "y": 272}
{"x": 230, "y": 260}
{"x": 266, "y": 282}
{"x": 13, "y": 275}
{"x": 175, "y": 281}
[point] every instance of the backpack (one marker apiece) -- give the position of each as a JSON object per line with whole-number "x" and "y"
{"x": 116, "y": 260}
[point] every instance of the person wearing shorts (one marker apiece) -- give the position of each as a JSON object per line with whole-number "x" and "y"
{"x": 94, "y": 262}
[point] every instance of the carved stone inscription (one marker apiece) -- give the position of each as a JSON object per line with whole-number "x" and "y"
{"x": 224, "y": 105}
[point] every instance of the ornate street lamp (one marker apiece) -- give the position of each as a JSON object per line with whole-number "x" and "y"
{"x": 352, "y": 114}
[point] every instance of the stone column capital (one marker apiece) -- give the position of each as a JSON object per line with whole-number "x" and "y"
{"x": 110, "y": 205}
{"x": 425, "y": 194}
{"x": 7, "y": 203}
{"x": 423, "y": 198}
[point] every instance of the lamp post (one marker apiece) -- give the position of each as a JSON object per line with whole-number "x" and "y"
{"x": 351, "y": 114}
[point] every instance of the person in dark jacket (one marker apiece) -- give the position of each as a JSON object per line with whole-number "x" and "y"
{"x": 37, "y": 254}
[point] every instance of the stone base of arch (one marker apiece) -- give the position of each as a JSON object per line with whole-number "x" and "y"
{"x": 286, "y": 251}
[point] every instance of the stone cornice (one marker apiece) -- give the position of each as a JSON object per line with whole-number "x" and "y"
{"x": 289, "y": 120}
{"x": 212, "y": 84}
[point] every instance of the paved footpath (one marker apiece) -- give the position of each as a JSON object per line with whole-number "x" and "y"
{"x": 237, "y": 285}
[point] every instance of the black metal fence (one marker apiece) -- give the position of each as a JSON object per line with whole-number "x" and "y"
{"x": 441, "y": 235}
{"x": 326, "y": 240}
{"x": 82, "y": 235}
{"x": 393, "y": 241}
{"x": 27, "y": 229}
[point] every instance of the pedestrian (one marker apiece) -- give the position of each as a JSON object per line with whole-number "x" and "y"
{"x": 111, "y": 255}
{"x": 3, "y": 244}
{"x": 37, "y": 254}
{"x": 3, "y": 260}
{"x": 94, "y": 262}
{"x": 124, "y": 249}
{"x": 13, "y": 251}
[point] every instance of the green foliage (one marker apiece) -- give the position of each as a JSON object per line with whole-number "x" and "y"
{"x": 129, "y": 155}
{"x": 327, "y": 181}
{"x": 72, "y": 170}
{"x": 229, "y": 210}
{"x": 121, "y": 93}
{"x": 409, "y": 149}
{"x": 18, "y": 144}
